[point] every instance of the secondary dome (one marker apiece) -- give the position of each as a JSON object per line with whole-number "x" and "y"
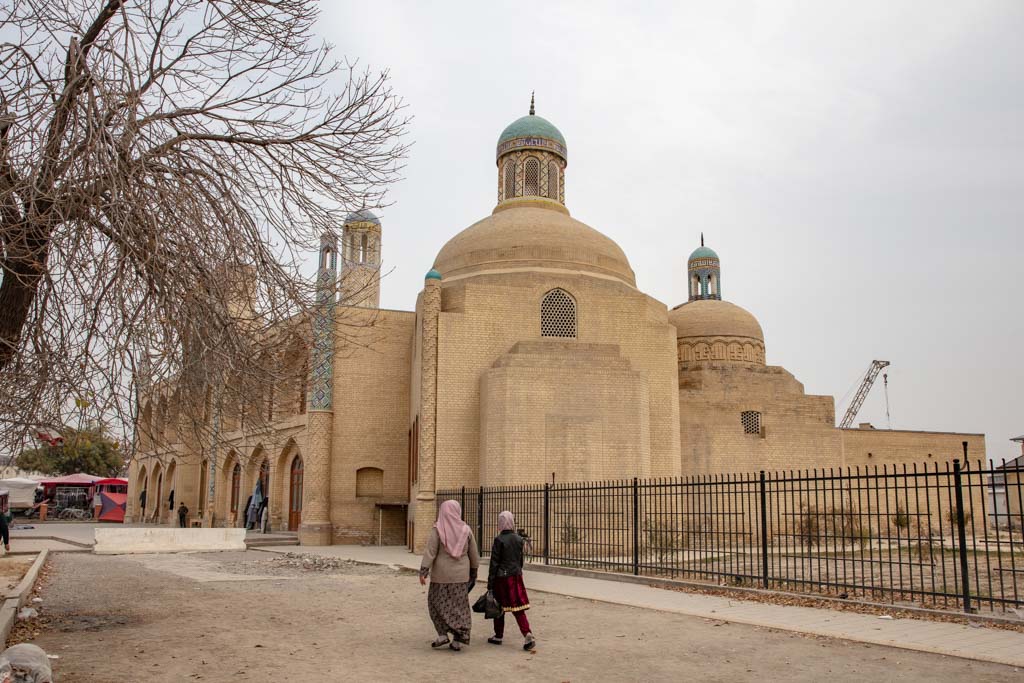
{"x": 714, "y": 318}
{"x": 525, "y": 234}
{"x": 531, "y": 125}
{"x": 531, "y": 132}
{"x": 716, "y": 331}
{"x": 702, "y": 252}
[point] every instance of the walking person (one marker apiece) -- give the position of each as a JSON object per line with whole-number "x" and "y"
{"x": 450, "y": 561}
{"x": 505, "y": 578}
{"x": 182, "y": 514}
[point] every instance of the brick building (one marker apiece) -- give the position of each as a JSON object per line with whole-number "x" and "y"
{"x": 530, "y": 355}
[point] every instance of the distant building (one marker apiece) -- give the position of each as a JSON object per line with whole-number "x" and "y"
{"x": 531, "y": 354}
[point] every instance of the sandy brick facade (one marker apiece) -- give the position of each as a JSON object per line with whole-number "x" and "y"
{"x": 530, "y": 355}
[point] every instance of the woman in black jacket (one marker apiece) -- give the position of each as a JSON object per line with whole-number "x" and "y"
{"x": 505, "y": 578}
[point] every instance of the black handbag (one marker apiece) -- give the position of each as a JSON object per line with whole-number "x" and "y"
{"x": 487, "y": 605}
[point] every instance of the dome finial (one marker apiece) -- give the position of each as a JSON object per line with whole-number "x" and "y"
{"x": 532, "y": 111}
{"x": 702, "y": 239}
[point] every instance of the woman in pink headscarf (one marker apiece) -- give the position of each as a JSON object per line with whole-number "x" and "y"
{"x": 450, "y": 560}
{"x": 505, "y": 578}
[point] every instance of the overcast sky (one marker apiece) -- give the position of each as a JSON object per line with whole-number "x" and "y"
{"x": 858, "y": 167}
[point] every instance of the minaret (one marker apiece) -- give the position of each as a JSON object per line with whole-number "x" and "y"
{"x": 360, "y": 260}
{"x": 531, "y": 158}
{"x": 315, "y": 528}
{"x": 704, "y": 273}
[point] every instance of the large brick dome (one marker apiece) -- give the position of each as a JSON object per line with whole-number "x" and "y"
{"x": 532, "y": 234}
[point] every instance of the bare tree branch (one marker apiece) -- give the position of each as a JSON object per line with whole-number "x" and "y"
{"x": 164, "y": 166}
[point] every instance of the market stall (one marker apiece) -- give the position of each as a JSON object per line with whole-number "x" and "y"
{"x": 22, "y": 492}
{"x": 71, "y": 496}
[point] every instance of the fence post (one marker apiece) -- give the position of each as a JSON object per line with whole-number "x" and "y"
{"x": 480, "y": 516}
{"x": 462, "y": 503}
{"x": 636, "y": 528}
{"x": 764, "y": 532}
{"x": 547, "y": 521}
{"x": 961, "y": 535}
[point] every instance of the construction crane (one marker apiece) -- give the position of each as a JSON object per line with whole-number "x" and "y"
{"x": 862, "y": 392}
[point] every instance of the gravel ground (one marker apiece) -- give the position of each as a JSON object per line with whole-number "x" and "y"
{"x": 253, "y": 618}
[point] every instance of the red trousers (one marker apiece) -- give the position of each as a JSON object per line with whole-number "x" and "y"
{"x": 499, "y": 624}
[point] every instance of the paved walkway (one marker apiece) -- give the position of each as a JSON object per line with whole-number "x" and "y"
{"x": 957, "y": 640}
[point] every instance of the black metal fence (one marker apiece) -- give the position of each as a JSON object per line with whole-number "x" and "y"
{"x": 938, "y": 535}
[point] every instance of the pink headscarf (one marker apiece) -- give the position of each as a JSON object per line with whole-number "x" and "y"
{"x": 506, "y": 522}
{"x": 454, "y": 533}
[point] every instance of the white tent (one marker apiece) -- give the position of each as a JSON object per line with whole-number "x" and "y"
{"x": 22, "y": 491}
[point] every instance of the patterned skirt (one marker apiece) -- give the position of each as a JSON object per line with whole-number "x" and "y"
{"x": 511, "y": 593}
{"x": 448, "y": 605}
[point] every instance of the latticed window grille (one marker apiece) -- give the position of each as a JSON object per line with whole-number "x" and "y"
{"x": 553, "y": 180}
{"x": 751, "y": 420}
{"x": 531, "y": 178}
{"x": 558, "y": 315}
{"x": 510, "y": 180}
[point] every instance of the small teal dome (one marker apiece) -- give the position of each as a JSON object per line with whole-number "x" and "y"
{"x": 362, "y": 216}
{"x": 531, "y": 126}
{"x": 703, "y": 252}
{"x": 432, "y": 274}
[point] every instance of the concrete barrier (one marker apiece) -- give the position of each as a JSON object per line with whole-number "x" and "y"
{"x": 122, "y": 541}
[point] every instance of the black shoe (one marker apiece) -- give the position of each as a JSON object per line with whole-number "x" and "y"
{"x": 494, "y": 640}
{"x": 440, "y": 642}
{"x": 530, "y": 643}
{"x": 455, "y": 645}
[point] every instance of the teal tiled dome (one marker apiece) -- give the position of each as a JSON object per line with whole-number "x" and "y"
{"x": 703, "y": 252}
{"x": 531, "y": 126}
{"x": 362, "y": 216}
{"x": 433, "y": 274}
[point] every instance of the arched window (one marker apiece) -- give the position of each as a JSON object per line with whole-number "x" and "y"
{"x": 531, "y": 178}
{"x": 553, "y": 180}
{"x": 362, "y": 249}
{"x": 558, "y": 315}
{"x": 236, "y": 483}
{"x": 695, "y": 286}
{"x": 711, "y": 284}
{"x": 510, "y": 180}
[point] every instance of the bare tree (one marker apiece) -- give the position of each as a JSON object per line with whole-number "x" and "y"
{"x": 164, "y": 165}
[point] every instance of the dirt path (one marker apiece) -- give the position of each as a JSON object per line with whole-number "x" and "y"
{"x": 250, "y": 617}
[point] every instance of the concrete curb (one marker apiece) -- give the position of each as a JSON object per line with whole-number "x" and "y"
{"x": 16, "y": 598}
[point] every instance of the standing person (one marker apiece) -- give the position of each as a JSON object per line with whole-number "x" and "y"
{"x": 451, "y": 561}
{"x": 505, "y": 578}
{"x": 5, "y": 531}
{"x": 264, "y": 516}
{"x": 142, "y": 504}
{"x": 182, "y": 514}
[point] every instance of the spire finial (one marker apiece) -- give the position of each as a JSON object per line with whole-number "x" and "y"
{"x": 702, "y": 239}
{"x": 532, "y": 112}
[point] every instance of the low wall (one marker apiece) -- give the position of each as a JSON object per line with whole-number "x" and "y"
{"x": 118, "y": 541}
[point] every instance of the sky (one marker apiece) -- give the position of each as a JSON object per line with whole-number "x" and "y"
{"x": 858, "y": 167}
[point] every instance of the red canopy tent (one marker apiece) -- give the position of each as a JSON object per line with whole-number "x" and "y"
{"x": 77, "y": 479}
